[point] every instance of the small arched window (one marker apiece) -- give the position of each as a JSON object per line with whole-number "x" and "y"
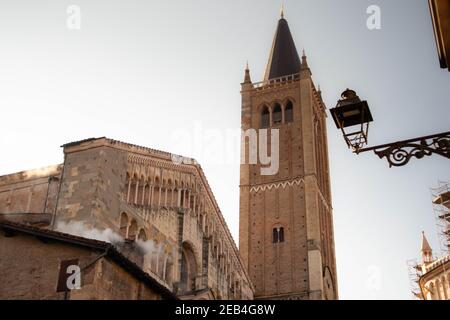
{"x": 281, "y": 235}
{"x": 265, "y": 117}
{"x": 277, "y": 116}
{"x": 275, "y": 235}
{"x": 289, "y": 112}
{"x": 278, "y": 235}
{"x": 142, "y": 235}
{"x": 123, "y": 224}
{"x": 188, "y": 268}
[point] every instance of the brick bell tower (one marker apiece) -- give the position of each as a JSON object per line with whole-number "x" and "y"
{"x": 286, "y": 223}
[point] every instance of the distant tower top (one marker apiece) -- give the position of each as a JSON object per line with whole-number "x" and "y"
{"x": 283, "y": 59}
{"x": 427, "y": 253}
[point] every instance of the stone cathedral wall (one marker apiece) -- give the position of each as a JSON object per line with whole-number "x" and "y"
{"x": 32, "y": 192}
{"x": 164, "y": 209}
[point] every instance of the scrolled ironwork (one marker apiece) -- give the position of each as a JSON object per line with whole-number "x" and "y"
{"x": 400, "y": 153}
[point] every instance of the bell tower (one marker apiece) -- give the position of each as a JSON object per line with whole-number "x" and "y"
{"x": 286, "y": 223}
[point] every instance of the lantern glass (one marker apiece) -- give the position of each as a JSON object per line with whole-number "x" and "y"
{"x": 352, "y": 116}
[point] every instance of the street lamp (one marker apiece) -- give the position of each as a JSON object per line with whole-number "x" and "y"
{"x": 351, "y": 112}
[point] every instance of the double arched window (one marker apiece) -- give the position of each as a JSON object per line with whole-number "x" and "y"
{"x": 278, "y": 235}
{"x": 128, "y": 228}
{"x": 277, "y": 115}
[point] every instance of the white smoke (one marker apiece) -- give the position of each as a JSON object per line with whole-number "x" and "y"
{"x": 156, "y": 259}
{"x": 153, "y": 253}
{"x": 148, "y": 247}
{"x": 78, "y": 228}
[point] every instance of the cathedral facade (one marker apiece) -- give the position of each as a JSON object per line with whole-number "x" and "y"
{"x": 118, "y": 192}
{"x": 286, "y": 221}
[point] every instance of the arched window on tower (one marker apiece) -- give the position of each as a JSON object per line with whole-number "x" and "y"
{"x": 275, "y": 235}
{"x": 278, "y": 235}
{"x": 277, "y": 115}
{"x": 289, "y": 112}
{"x": 281, "y": 235}
{"x": 265, "y": 117}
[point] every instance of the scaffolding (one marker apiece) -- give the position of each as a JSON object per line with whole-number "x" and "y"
{"x": 441, "y": 208}
{"x": 414, "y": 273}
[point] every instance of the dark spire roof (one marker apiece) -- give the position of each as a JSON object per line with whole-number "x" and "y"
{"x": 283, "y": 59}
{"x": 247, "y": 78}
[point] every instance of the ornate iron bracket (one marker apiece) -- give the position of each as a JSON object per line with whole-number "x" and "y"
{"x": 399, "y": 153}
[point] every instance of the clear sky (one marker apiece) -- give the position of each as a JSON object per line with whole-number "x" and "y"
{"x": 144, "y": 71}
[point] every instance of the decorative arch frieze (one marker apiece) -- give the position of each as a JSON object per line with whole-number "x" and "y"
{"x": 168, "y": 185}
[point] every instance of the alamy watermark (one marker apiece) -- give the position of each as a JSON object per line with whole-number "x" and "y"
{"x": 73, "y": 21}
{"x": 374, "y": 20}
{"x": 258, "y": 146}
{"x": 73, "y": 281}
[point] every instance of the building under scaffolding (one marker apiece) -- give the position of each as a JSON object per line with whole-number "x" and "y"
{"x": 414, "y": 273}
{"x": 441, "y": 207}
{"x": 430, "y": 278}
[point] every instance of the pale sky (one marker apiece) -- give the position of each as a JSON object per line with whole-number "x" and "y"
{"x": 144, "y": 71}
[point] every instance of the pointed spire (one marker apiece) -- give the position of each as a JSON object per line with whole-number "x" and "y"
{"x": 247, "y": 78}
{"x": 425, "y": 245}
{"x": 282, "y": 10}
{"x": 283, "y": 59}
{"x": 304, "y": 60}
{"x": 427, "y": 252}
